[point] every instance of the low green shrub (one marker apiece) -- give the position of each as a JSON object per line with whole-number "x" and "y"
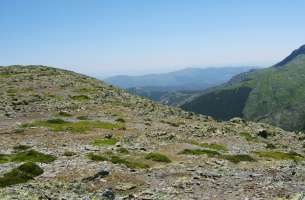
{"x": 21, "y": 174}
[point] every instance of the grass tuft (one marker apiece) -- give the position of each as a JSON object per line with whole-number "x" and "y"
{"x": 32, "y": 156}
{"x": 238, "y": 158}
{"x": 210, "y": 153}
{"x": 80, "y": 97}
{"x": 105, "y": 142}
{"x": 158, "y": 157}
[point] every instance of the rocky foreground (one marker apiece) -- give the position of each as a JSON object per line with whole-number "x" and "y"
{"x": 68, "y": 136}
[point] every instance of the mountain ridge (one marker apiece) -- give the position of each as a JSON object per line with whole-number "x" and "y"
{"x": 276, "y": 94}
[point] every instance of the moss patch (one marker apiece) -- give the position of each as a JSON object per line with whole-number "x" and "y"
{"x": 158, "y": 157}
{"x": 118, "y": 160}
{"x": 277, "y": 155}
{"x": 74, "y": 127}
{"x": 105, "y": 142}
{"x": 22, "y": 174}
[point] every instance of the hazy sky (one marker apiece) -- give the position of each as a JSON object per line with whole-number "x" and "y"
{"x": 107, "y": 37}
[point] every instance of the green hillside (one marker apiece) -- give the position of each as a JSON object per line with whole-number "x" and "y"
{"x": 277, "y": 95}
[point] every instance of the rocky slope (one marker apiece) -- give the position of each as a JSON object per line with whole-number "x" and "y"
{"x": 274, "y": 95}
{"x": 68, "y": 136}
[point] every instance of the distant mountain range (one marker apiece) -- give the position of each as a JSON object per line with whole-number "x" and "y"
{"x": 274, "y": 95}
{"x": 185, "y": 79}
{"x": 175, "y": 88}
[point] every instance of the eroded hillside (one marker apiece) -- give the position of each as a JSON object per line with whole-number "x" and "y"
{"x": 68, "y": 136}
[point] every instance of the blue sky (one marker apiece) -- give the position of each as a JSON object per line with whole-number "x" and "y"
{"x": 108, "y": 37}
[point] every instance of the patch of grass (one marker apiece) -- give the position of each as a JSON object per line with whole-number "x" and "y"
{"x": 32, "y": 156}
{"x": 21, "y": 147}
{"x": 105, "y": 142}
{"x": 4, "y": 158}
{"x": 2, "y": 75}
{"x": 88, "y": 90}
{"x": 58, "y": 125}
{"x": 209, "y": 153}
{"x": 248, "y": 137}
{"x": 80, "y": 97}
{"x": 278, "y": 155}
{"x": 21, "y": 174}
{"x": 232, "y": 158}
{"x": 118, "y": 160}
{"x": 238, "y": 158}
{"x": 158, "y": 157}
{"x": 217, "y": 147}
